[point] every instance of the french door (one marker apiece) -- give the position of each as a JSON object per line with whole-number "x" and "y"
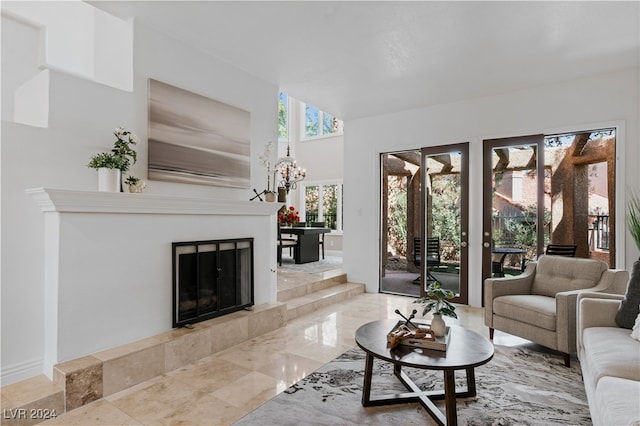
{"x": 513, "y": 203}
{"x": 544, "y": 189}
{"x": 445, "y": 218}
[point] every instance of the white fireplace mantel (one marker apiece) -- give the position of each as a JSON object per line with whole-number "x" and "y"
{"x": 71, "y": 201}
{"x": 108, "y": 267}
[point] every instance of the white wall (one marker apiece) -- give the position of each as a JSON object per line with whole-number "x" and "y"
{"x": 575, "y": 105}
{"x": 82, "y": 116}
{"x": 79, "y": 39}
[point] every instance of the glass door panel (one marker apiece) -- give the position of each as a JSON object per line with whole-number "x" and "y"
{"x": 445, "y": 219}
{"x": 400, "y": 216}
{"x": 514, "y": 208}
{"x": 514, "y": 205}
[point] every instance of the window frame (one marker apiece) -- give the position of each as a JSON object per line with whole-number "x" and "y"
{"x": 321, "y": 115}
{"x": 339, "y": 208}
{"x": 288, "y": 117}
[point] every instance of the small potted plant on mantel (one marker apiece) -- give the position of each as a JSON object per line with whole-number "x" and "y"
{"x": 437, "y": 302}
{"x": 110, "y": 165}
{"x": 136, "y": 185}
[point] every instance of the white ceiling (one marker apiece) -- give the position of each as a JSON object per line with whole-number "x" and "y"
{"x": 363, "y": 58}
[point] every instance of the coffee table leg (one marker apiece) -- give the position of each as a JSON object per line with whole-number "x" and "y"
{"x": 471, "y": 382}
{"x": 366, "y": 387}
{"x": 450, "y": 397}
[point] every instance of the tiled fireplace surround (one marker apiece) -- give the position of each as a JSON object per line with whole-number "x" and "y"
{"x": 135, "y": 341}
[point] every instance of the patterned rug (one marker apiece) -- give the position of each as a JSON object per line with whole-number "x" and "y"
{"x": 517, "y": 387}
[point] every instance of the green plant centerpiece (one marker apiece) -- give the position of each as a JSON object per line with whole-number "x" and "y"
{"x": 437, "y": 302}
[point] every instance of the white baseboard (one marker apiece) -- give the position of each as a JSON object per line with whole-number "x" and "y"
{"x": 21, "y": 371}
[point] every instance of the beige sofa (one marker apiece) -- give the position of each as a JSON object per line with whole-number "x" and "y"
{"x": 610, "y": 361}
{"x": 540, "y": 304}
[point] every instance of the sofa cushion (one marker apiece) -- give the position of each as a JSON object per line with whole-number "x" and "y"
{"x": 617, "y": 401}
{"x": 530, "y": 309}
{"x": 630, "y": 306}
{"x": 610, "y": 351}
{"x": 556, "y": 273}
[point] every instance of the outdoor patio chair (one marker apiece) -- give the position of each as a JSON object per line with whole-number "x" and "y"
{"x": 567, "y": 250}
{"x": 431, "y": 254}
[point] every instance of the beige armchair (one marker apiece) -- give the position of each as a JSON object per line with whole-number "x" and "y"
{"x": 540, "y": 304}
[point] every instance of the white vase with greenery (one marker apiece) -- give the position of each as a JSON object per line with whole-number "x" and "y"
{"x": 110, "y": 165}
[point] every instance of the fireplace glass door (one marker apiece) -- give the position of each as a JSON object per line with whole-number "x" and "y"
{"x": 211, "y": 278}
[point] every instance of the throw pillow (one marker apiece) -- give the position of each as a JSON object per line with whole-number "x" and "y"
{"x": 630, "y": 306}
{"x": 636, "y": 329}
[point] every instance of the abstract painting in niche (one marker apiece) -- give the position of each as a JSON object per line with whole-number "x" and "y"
{"x": 195, "y": 139}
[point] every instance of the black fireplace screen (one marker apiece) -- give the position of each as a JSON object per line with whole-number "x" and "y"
{"x": 211, "y": 278}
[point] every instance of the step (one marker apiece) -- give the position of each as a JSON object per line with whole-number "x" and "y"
{"x": 322, "y": 297}
{"x": 298, "y": 285}
{"x": 31, "y": 401}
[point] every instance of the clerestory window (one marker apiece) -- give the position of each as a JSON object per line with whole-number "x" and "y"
{"x": 318, "y": 123}
{"x": 283, "y": 116}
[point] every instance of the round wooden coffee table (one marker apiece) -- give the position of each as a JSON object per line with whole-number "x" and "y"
{"x": 465, "y": 351}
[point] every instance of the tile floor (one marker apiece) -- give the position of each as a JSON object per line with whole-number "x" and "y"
{"x": 222, "y": 388}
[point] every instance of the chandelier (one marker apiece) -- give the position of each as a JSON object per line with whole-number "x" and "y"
{"x": 289, "y": 171}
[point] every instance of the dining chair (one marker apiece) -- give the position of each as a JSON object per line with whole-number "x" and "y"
{"x": 284, "y": 243}
{"x": 320, "y": 225}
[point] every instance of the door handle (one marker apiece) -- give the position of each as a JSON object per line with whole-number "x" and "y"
{"x": 463, "y": 244}
{"x": 486, "y": 245}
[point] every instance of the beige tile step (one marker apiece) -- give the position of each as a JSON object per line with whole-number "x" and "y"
{"x": 322, "y": 297}
{"x": 31, "y": 401}
{"x": 292, "y": 286}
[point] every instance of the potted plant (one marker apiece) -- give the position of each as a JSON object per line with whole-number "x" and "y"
{"x": 437, "y": 302}
{"x": 110, "y": 165}
{"x": 136, "y": 184}
{"x": 629, "y": 307}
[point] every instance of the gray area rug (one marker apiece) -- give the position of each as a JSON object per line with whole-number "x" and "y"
{"x": 327, "y": 264}
{"x": 517, "y": 387}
